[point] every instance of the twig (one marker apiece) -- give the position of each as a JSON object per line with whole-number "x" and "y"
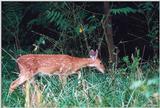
{"x": 9, "y": 55}
{"x": 124, "y": 48}
{"x": 143, "y": 54}
{"x": 130, "y": 98}
{"x": 138, "y": 36}
{"x": 89, "y": 11}
{"x": 85, "y": 38}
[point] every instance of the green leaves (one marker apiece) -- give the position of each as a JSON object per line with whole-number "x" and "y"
{"x": 125, "y": 10}
{"x": 148, "y": 6}
{"x": 40, "y": 41}
{"x": 126, "y": 60}
{"x": 150, "y": 11}
{"x": 147, "y": 88}
{"x": 136, "y": 84}
{"x": 58, "y": 18}
{"x": 51, "y": 17}
{"x": 153, "y": 81}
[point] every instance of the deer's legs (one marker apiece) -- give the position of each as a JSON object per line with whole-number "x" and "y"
{"x": 17, "y": 82}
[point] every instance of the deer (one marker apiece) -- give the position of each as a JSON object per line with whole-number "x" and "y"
{"x": 53, "y": 64}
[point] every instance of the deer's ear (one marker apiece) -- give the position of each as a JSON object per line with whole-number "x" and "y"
{"x": 93, "y": 54}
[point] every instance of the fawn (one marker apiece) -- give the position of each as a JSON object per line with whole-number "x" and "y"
{"x": 55, "y": 64}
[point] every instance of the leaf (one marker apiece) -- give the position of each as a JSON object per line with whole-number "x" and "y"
{"x": 153, "y": 81}
{"x": 126, "y": 59}
{"x": 54, "y": 14}
{"x": 125, "y": 10}
{"x": 136, "y": 84}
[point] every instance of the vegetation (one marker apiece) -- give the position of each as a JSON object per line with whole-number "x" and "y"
{"x": 134, "y": 83}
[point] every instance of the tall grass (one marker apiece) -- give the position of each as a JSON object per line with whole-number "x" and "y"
{"x": 131, "y": 85}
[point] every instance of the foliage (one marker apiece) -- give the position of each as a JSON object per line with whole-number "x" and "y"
{"x": 132, "y": 66}
{"x": 150, "y": 12}
{"x": 131, "y": 85}
{"x": 125, "y": 10}
{"x": 12, "y": 17}
{"x": 54, "y": 17}
{"x": 69, "y": 25}
{"x": 116, "y": 89}
{"x": 147, "y": 88}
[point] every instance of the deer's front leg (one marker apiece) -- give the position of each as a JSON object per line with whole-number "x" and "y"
{"x": 63, "y": 79}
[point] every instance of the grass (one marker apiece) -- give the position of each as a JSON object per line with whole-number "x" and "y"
{"x": 120, "y": 87}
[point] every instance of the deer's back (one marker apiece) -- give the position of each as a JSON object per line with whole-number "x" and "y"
{"x": 46, "y": 63}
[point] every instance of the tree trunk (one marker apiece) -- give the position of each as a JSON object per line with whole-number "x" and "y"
{"x": 107, "y": 27}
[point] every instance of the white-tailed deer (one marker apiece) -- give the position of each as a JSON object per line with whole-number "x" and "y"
{"x": 56, "y": 64}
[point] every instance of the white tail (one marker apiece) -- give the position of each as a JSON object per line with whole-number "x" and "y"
{"x": 61, "y": 65}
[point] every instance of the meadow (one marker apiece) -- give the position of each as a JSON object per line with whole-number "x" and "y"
{"x": 130, "y": 85}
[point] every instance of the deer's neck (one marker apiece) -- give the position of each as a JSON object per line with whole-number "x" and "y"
{"x": 84, "y": 62}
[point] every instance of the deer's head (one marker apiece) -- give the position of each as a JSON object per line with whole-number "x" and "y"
{"x": 96, "y": 62}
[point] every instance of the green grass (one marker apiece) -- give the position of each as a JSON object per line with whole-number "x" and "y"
{"x": 120, "y": 87}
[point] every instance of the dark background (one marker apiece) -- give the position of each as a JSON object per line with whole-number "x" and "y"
{"x": 129, "y": 31}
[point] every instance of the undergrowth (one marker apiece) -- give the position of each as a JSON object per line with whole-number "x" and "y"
{"x": 131, "y": 85}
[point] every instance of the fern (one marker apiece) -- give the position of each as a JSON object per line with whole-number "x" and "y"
{"x": 54, "y": 17}
{"x": 125, "y": 10}
{"x": 148, "y": 6}
{"x": 12, "y": 14}
{"x": 58, "y": 18}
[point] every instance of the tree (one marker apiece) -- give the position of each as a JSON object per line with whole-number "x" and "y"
{"x": 107, "y": 22}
